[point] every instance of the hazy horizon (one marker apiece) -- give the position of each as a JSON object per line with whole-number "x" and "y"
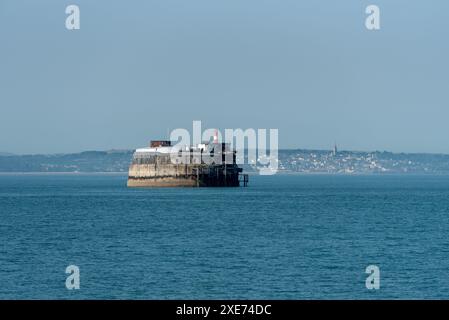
{"x": 2, "y": 153}
{"x": 308, "y": 68}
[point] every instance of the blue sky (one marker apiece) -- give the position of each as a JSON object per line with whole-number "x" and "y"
{"x": 309, "y": 68}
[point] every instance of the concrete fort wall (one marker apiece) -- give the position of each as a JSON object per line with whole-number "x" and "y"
{"x": 155, "y": 170}
{"x": 162, "y": 182}
{"x": 182, "y": 175}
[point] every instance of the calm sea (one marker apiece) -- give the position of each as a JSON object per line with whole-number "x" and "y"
{"x": 283, "y": 237}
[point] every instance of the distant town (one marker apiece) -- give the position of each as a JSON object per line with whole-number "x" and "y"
{"x": 352, "y": 162}
{"x": 290, "y": 161}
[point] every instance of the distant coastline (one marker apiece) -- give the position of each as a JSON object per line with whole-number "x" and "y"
{"x": 291, "y": 161}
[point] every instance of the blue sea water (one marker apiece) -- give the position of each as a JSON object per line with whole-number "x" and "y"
{"x": 283, "y": 237}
